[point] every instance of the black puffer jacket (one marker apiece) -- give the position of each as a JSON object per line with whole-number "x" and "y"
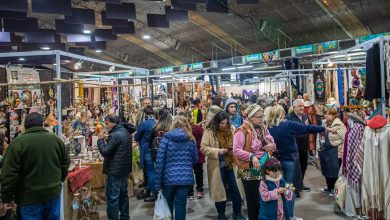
{"x": 117, "y": 152}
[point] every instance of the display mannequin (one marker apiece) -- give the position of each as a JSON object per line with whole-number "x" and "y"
{"x": 376, "y": 169}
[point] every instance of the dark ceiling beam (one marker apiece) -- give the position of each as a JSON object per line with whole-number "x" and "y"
{"x": 331, "y": 7}
{"x": 217, "y": 32}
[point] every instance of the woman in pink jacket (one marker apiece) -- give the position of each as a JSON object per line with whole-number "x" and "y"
{"x": 251, "y": 144}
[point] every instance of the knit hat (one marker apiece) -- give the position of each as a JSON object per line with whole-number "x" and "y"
{"x": 377, "y": 122}
{"x": 252, "y": 109}
{"x": 33, "y": 120}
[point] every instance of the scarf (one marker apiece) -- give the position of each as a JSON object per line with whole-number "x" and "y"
{"x": 355, "y": 137}
{"x": 225, "y": 141}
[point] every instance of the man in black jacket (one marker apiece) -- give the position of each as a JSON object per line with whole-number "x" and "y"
{"x": 298, "y": 115}
{"x": 117, "y": 153}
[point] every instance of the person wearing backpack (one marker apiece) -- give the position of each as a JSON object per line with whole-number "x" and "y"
{"x": 162, "y": 126}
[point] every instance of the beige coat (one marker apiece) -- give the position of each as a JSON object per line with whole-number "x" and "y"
{"x": 210, "y": 147}
{"x": 337, "y": 139}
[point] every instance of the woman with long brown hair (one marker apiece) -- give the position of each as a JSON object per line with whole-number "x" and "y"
{"x": 176, "y": 157}
{"x": 217, "y": 145}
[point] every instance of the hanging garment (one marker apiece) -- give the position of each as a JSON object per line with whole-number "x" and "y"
{"x": 352, "y": 162}
{"x": 340, "y": 83}
{"x": 345, "y": 81}
{"x": 319, "y": 86}
{"x": 373, "y": 72}
{"x": 376, "y": 173}
{"x": 335, "y": 86}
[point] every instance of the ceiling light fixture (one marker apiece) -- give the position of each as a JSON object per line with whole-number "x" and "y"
{"x": 78, "y": 65}
{"x": 146, "y": 37}
{"x": 98, "y": 51}
{"x": 87, "y": 32}
{"x": 45, "y": 48}
{"x": 244, "y": 67}
{"x": 67, "y": 61}
{"x": 22, "y": 59}
{"x": 112, "y": 69}
{"x": 229, "y": 68}
{"x": 330, "y": 64}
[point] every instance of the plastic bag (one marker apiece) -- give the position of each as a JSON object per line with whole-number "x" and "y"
{"x": 161, "y": 208}
{"x": 340, "y": 188}
{"x": 10, "y": 215}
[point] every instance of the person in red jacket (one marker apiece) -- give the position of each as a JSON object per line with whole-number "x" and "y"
{"x": 197, "y": 131}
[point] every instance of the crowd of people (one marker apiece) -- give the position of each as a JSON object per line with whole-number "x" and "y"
{"x": 256, "y": 154}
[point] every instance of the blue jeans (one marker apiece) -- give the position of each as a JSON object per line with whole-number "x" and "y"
{"x": 288, "y": 168}
{"x": 150, "y": 171}
{"x": 45, "y": 210}
{"x": 229, "y": 179}
{"x": 176, "y": 196}
{"x": 117, "y": 198}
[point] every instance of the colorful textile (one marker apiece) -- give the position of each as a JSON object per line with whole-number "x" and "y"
{"x": 353, "y": 173}
{"x": 79, "y": 178}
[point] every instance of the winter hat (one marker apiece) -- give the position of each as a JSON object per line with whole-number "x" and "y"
{"x": 229, "y": 101}
{"x": 252, "y": 109}
{"x": 33, "y": 120}
{"x": 377, "y": 122}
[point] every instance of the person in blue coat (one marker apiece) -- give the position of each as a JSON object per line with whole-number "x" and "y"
{"x": 176, "y": 157}
{"x": 234, "y": 117}
{"x": 284, "y": 133}
{"x": 142, "y": 137}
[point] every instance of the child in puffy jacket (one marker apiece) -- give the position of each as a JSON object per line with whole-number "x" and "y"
{"x": 274, "y": 192}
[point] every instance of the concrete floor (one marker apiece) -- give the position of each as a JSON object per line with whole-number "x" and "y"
{"x": 312, "y": 205}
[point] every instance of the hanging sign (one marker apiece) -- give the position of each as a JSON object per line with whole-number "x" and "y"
{"x": 253, "y": 57}
{"x": 197, "y": 66}
{"x": 304, "y": 49}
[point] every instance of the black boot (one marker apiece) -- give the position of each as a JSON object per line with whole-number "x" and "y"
{"x": 143, "y": 195}
{"x": 151, "y": 198}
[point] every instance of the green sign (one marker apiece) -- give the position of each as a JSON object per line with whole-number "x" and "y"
{"x": 197, "y": 66}
{"x": 168, "y": 69}
{"x": 304, "y": 49}
{"x": 253, "y": 57}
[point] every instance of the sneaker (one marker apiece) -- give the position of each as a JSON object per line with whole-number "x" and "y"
{"x": 191, "y": 198}
{"x": 229, "y": 203}
{"x": 306, "y": 189}
{"x": 331, "y": 194}
{"x": 199, "y": 195}
{"x": 325, "y": 190}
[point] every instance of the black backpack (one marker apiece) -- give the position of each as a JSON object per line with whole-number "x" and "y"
{"x": 156, "y": 144}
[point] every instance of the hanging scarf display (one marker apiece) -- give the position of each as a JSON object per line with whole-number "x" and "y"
{"x": 319, "y": 86}
{"x": 225, "y": 140}
{"x": 352, "y": 170}
{"x": 340, "y": 80}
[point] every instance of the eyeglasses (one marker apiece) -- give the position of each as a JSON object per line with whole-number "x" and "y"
{"x": 259, "y": 117}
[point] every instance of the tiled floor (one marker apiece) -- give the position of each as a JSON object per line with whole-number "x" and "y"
{"x": 311, "y": 206}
